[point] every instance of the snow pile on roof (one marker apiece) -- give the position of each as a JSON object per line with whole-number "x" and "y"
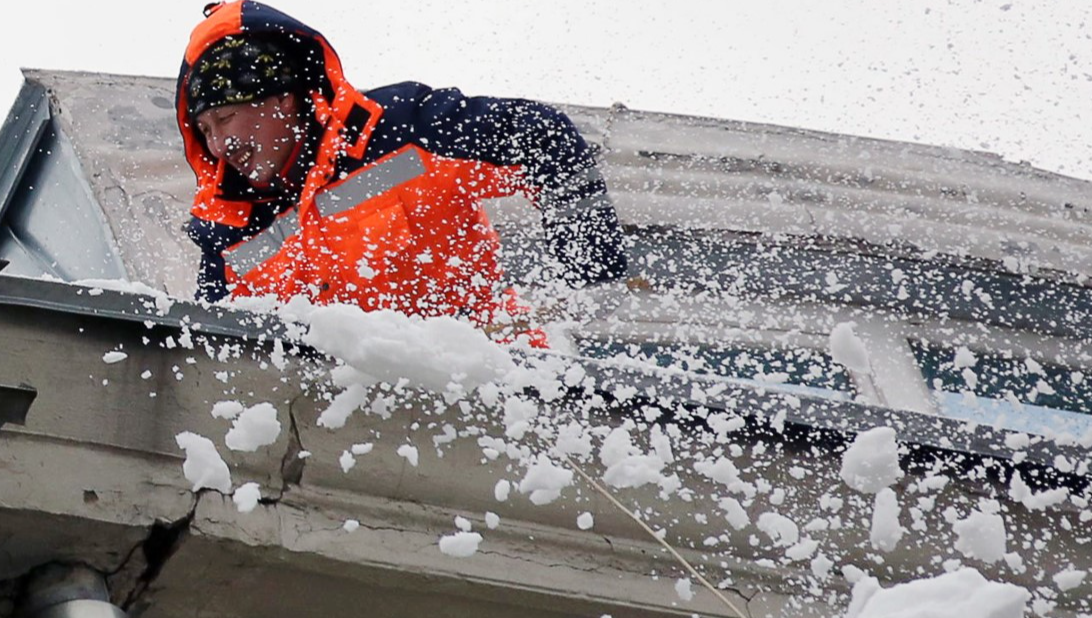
{"x": 960, "y": 594}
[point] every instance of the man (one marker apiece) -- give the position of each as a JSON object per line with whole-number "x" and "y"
{"x": 307, "y": 187}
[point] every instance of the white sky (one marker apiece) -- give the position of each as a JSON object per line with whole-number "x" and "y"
{"x": 1008, "y": 76}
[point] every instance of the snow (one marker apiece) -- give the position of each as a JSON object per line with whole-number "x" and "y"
{"x": 347, "y": 461}
{"x": 981, "y": 535}
{"x": 350, "y": 525}
{"x": 246, "y": 497}
{"x": 203, "y": 466}
{"x": 1021, "y": 492}
{"x": 848, "y": 349}
{"x": 254, "y": 428}
{"x": 781, "y": 530}
{"x": 390, "y": 346}
{"x": 684, "y": 589}
{"x": 886, "y": 532}
{"x": 492, "y": 520}
{"x": 544, "y": 480}
{"x": 462, "y": 523}
{"x": 872, "y": 461}
{"x": 114, "y": 357}
{"x": 1069, "y": 578}
{"x": 501, "y": 490}
{"x": 627, "y": 466}
{"x": 963, "y": 593}
{"x": 227, "y": 409}
{"x": 461, "y": 544}
{"x": 409, "y": 453}
{"x": 585, "y": 521}
{"x": 361, "y": 449}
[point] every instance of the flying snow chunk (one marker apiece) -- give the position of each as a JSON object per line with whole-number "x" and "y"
{"x": 544, "y": 481}
{"x": 1069, "y": 579}
{"x": 872, "y": 462}
{"x": 203, "y": 466}
{"x": 782, "y": 531}
{"x": 982, "y": 536}
{"x": 114, "y": 357}
{"x": 886, "y": 532}
{"x": 492, "y": 520}
{"x": 846, "y": 348}
{"x": 227, "y": 409}
{"x": 462, "y": 523}
{"x": 460, "y": 544}
{"x": 585, "y": 521}
{"x": 960, "y": 594}
{"x": 256, "y": 427}
{"x": 501, "y": 490}
{"x": 409, "y": 453}
{"x": 684, "y": 589}
{"x": 246, "y": 497}
{"x": 391, "y": 346}
{"x": 351, "y": 525}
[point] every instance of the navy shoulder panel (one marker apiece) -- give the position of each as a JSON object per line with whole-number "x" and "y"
{"x": 493, "y": 130}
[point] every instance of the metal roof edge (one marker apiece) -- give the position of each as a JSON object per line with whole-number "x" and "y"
{"x": 20, "y": 134}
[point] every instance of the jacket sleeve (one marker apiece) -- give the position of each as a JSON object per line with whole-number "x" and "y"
{"x": 581, "y": 225}
{"x": 211, "y": 276}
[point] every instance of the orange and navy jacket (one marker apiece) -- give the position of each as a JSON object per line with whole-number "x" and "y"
{"x": 387, "y": 212}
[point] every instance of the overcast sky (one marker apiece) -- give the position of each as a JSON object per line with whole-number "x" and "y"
{"x": 1007, "y": 76}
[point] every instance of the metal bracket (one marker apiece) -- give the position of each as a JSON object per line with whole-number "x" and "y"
{"x": 3, "y": 263}
{"x": 15, "y": 403}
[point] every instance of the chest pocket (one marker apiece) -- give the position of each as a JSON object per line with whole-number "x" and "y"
{"x": 364, "y": 221}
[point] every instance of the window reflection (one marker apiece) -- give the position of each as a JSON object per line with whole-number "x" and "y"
{"x": 797, "y": 370}
{"x": 1006, "y": 390}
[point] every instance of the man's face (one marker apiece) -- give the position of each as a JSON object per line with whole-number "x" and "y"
{"x": 255, "y": 138}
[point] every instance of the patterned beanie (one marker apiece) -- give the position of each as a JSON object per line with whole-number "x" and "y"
{"x": 240, "y": 69}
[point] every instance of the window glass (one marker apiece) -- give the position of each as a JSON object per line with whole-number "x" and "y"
{"x": 785, "y": 369}
{"x": 1006, "y": 390}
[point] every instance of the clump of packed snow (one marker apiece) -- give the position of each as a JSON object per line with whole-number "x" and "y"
{"x": 492, "y": 520}
{"x": 462, "y": 544}
{"x": 501, "y": 490}
{"x": 114, "y": 357}
{"x": 227, "y": 409}
{"x": 872, "y": 462}
{"x": 390, "y": 346}
{"x": 585, "y": 521}
{"x": 409, "y": 453}
{"x": 1035, "y": 501}
{"x": 254, "y": 428}
{"x": 350, "y": 525}
{"x": 981, "y": 535}
{"x": 963, "y": 593}
{"x": 848, "y": 349}
{"x": 544, "y": 480}
{"x": 246, "y": 497}
{"x": 203, "y": 466}
{"x": 1069, "y": 578}
{"x": 886, "y": 532}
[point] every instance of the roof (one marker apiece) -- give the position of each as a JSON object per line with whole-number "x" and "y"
{"x": 749, "y": 234}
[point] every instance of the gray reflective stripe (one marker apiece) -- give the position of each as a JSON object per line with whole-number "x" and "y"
{"x": 370, "y": 182}
{"x": 265, "y": 245}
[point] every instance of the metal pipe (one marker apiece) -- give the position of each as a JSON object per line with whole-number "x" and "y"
{"x": 67, "y": 591}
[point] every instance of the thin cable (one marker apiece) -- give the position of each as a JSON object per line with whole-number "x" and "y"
{"x": 652, "y": 533}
